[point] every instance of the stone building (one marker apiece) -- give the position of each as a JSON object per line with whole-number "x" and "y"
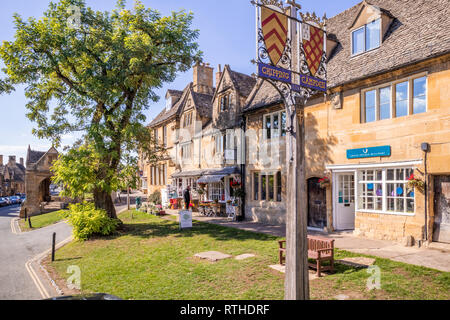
{"x": 12, "y": 177}
{"x": 198, "y": 130}
{"x": 385, "y": 118}
{"x": 38, "y": 180}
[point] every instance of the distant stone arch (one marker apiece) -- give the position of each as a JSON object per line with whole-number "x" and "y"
{"x": 37, "y": 180}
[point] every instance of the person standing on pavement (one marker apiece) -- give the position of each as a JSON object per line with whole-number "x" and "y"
{"x": 187, "y": 197}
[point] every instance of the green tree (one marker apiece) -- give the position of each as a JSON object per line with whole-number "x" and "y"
{"x": 96, "y": 72}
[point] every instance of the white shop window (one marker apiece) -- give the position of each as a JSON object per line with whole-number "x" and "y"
{"x": 216, "y": 191}
{"x": 385, "y": 191}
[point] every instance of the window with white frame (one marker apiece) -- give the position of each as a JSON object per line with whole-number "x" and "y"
{"x": 397, "y": 99}
{"x": 219, "y": 140}
{"x": 216, "y": 191}
{"x": 274, "y": 125}
{"x": 367, "y": 37}
{"x": 385, "y": 190}
{"x": 144, "y": 183}
{"x": 165, "y": 136}
{"x": 186, "y": 151}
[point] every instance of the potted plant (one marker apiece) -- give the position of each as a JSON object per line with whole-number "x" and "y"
{"x": 414, "y": 183}
{"x": 239, "y": 193}
{"x": 324, "y": 182}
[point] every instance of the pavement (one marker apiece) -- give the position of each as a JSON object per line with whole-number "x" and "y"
{"x": 21, "y": 277}
{"x": 16, "y": 250}
{"x": 434, "y": 256}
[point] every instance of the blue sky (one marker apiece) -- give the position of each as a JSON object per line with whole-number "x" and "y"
{"x": 227, "y": 36}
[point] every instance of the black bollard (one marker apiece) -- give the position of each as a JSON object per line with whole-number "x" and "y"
{"x": 29, "y": 223}
{"x": 26, "y": 215}
{"x": 53, "y": 246}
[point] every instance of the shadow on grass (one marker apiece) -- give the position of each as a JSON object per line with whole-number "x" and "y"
{"x": 158, "y": 227}
{"x": 68, "y": 259}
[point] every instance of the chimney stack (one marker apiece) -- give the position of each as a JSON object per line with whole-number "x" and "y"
{"x": 1, "y": 160}
{"x": 12, "y": 160}
{"x": 218, "y": 75}
{"x": 203, "y": 78}
{"x": 21, "y": 161}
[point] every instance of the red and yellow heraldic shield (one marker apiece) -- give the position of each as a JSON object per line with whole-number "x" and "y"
{"x": 275, "y": 30}
{"x": 313, "y": 45}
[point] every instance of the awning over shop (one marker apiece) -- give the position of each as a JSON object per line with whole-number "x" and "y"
{"x": 222, "y": 171}
{"x": 188, "y": 174}
{"x": 211, "y": 179}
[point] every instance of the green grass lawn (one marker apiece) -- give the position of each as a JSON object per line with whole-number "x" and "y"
{"x": 153, "y": 259}
{"x": 42, "y": 221}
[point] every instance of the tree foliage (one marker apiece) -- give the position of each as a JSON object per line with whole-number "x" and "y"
{"x": 96, "y": 72}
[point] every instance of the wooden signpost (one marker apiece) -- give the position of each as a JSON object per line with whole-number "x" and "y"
{"x": 291, "y": 55}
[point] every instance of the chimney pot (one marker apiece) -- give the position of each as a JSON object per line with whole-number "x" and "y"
{"x": 21, "y": 161}
{"x": 12, "y": 160}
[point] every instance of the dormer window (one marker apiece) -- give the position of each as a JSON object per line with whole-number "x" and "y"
{"x": 366, "y": 38}
{"x": 168, "y": 103}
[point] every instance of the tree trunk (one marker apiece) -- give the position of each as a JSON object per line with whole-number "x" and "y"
{"x": 103, "y": 200}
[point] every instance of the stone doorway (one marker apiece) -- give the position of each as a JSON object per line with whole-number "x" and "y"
{"x": 44, "y": 191}
{"x": 441, "y": 227}
{"x": 317, "y": 204}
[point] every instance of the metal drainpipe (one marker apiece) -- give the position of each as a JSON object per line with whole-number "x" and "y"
{"x": 243, "y": 168}
{"x": 426, "y": 148}
{"x": 426, "y": 197}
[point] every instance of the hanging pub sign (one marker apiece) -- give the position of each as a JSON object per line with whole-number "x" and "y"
{"x": 291, "y": 53}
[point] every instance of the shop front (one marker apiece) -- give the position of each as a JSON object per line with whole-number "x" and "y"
{"x": 377, "y": 198}
{"x": 219, "y": 191}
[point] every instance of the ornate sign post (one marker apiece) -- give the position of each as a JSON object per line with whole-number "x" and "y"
{"x": 291, "y": 55}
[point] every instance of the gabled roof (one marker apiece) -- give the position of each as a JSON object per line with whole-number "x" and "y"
{"x": 420, "y": 30}
{"x": 365, "y": 4}
{"x": 263, "y": 95}
{"x": 16, "y": 171}
{"x": 34, "y": 157}
{"x": 174, "y": 111}
{"x": 244, "y": 83}
{"x": 203, "y": 104}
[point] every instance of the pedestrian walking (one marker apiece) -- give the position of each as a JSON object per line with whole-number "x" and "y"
{"x": 187, "y": 197}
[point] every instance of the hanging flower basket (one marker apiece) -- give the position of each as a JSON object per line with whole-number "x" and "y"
{"x": 202, "y": 186}
{"x": 324, "y": 182}
{"x": 414, "y": 183}
{"x": 235, "y": 184}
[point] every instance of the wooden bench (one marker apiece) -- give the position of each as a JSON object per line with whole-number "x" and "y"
{"x": 319, "y": 249}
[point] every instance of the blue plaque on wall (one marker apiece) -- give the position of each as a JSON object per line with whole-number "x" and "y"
{"x": 384, "y": 151}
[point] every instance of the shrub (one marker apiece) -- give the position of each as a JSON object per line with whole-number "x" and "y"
{"x": 155, "y": 197}
{"x": 88, "y": 221}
